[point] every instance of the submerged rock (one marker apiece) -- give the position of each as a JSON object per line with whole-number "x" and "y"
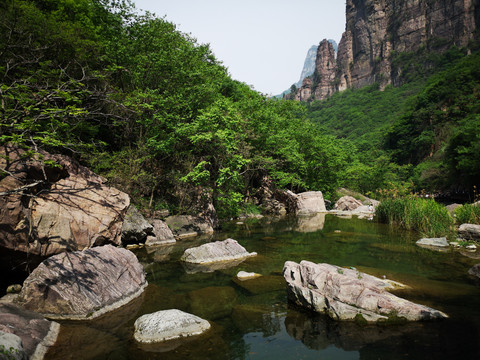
{"x": 475, "y": 271}
{"x": 346, "y": 294}
{"x": 434, "y": 242}
{"x": 168, "y": 325}
{"x": 36, "y": 333}
{"x": 218, "y": 251}
{"x": 243, "y": 275}
{"x": 84, "y": 284}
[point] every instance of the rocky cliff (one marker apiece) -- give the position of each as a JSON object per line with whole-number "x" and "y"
{"x": 378, "y": 30}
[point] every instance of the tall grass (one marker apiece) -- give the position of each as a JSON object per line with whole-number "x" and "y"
{"x": 412, "y": 213}
{"x": 467, "y": 214}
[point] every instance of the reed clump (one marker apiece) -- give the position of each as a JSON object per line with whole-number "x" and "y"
{"x": 418, "y": 214}
{"x": 467, "y": 214}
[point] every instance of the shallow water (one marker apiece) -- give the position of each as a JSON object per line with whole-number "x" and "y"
{"x": 253, "y": 320}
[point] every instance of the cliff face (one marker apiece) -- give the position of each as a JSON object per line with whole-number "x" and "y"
{"x": 377, "y": 29}
{"x": 309, "y": 65}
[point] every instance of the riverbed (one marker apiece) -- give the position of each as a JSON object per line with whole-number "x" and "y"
{"x": 253, "y": 319}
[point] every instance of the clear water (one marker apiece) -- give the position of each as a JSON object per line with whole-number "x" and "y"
{"x": 253, "y": 320}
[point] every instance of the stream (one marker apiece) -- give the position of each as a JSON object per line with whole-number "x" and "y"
{"x": 253, "y": 319}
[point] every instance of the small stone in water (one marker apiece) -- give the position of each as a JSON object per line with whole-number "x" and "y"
{"x": 471, "y": 247}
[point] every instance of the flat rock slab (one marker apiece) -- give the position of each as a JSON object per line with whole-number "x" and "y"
{"x": 261, "y": 285}
{"x": 346, "y": 294}
{"x": 36, "y": 333}
{"x": 219, "y": 251}
{"x": 435, "y": 242}
{"x": 84, "y": 284}
{"x": 168, "y": 325}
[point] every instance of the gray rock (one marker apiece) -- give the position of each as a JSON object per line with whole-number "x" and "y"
{"x": 310, "y": 202}
{"x": 36, "y": 333}
{"x": 347, "y": 203}
{"x": 435, "y": 242}
{"x": 346, "y": 294}
{"x": 184, "y": 226}
{"x": 168, "y": 325}
{"x": 452, "y": 207}
{"x": 163, "y": 234}
{"x": 135, "y": 227}
{"x": 475, "y": 271}
{"x": 469, "y": 231}
{"x": 11, "y": 347}
{"x": 84, "y": 284}
{"x": 227, "y": 250}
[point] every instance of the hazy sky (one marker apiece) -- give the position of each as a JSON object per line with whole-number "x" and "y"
{"x": 262, "y": 42}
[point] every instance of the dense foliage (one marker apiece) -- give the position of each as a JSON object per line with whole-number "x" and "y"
{"x": 426, "y": 216}
{"x": 425, "y": 132}
{"x": 150, "y": 108}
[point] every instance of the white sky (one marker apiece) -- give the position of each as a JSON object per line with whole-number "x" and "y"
{"x": 262, "y": 42}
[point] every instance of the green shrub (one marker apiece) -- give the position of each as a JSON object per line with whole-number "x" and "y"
{"x": 467, "y": 214}
{"x": 412, "y": 213}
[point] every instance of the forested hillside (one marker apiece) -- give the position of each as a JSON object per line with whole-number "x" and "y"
{"x": 424, "y": 133}
{"x": 151, "y": 109}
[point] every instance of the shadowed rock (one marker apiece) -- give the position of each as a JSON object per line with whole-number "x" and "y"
{"x": 81, "y": 285}
{"x": 469, "y": 231}
{"x": 36, "y": 333}
{"x": 72, "y": 209}
{"x": 345, "y": 294}
{"x": 184, "y": 226}
{"x": 135, "y": 227}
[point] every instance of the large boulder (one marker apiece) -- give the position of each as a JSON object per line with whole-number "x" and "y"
{"x": 168, "y": 325}
{"x": 84, "y": 284}
{"x": 219, "y": 251}
{"x": 469, "y": 232}
{"x": 347, "y": 203}
{"x": 310, "y": 202}
{"x": 135, "y": 227}
{"x": 72, "y": 208}
{"x": 36, "y": 333}
{"x": 346, "y": 294}
{"x": 185, "y": 226}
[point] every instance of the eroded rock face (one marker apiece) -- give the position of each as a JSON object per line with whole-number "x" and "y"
{"x": 168, "y": 325}
{"x": 377, "y": 29}
{"x": 469, "y": 231}
{"x": 347, "y": 203}
{"x": 36, "y": 333}
{"x": 73, "y": 208}
{"x": 345, "y": 294}
{"x": 218, "y": 251}
{"x": 83, "y": 284}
